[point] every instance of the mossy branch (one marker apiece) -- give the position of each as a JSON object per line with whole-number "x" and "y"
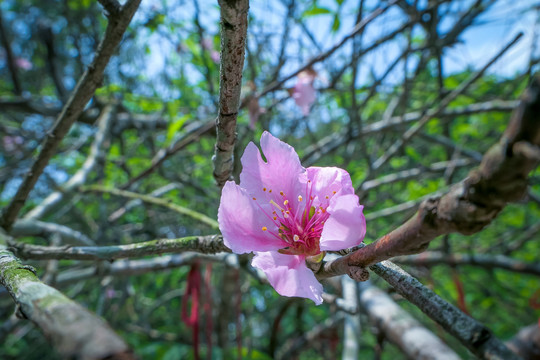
{"x": 75, "y": 332}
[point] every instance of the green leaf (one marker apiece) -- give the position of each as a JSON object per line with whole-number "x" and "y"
{"x": 336, "y": 24}
{"x": 175, "y": 126}
{"x": 316, "y": 11}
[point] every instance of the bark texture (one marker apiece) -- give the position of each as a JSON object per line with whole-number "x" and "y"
{"x": 74, "y": 332}
{"x": 234, "y": 24}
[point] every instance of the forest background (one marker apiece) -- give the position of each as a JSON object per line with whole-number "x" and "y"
{"x": 407, "y": 96}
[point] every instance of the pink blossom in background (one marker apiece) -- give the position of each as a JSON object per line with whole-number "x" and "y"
{"x": 285, "y": 213}
{"x": 303, "y": 92}
{"x": 208, "y": 44}
{"x": 214, "y": 55}
{"x": 12, "y": 143}
{"x": 23, "y": 64}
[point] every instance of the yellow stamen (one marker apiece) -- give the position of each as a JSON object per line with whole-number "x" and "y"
{"x": 264, "y": 228}
{"x": 281, "y": 193}
{"x": 270, "y": 190}
{"x": 334, "y": 192}
{"x": 326, "y": 196}
{"x": 264, "y": 189}
{"x": 285, "y": 202}
{"x": 254, "y": 198}
{"x": 296, "y": 237}
{"x": 299, "y": 197}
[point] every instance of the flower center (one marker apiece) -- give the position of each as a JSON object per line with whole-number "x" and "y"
{"x": 299, "y": 221}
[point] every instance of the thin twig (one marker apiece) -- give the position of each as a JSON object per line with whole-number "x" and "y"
{"x": 52, "y": 201}
{"x": 156, "y": 201}
{"x": 413, "y": 130}
{"x": 471, "y": 204}
{"x": 84, "y": 90}
{"x": 210, "y": 244}
{"x": 435, "y": 258}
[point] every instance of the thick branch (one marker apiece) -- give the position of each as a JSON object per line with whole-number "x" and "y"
{"x": 84, "y": 90}
{"x": 401, "y": 328}
{"x": 471, "y": 204}
{"x": 233, "y": 45}
{"x": 475, "y": 336}
{"x": 73, "y": 330}
{"x": 527, "y": 342}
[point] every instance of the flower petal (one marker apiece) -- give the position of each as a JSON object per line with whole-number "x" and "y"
{"x": 241, "y": 222}
{"x": 289, "y": 275}
{"x": 281, "y": 172}
{"x": 346, "y": 226}
{"x": 327, "y": 182}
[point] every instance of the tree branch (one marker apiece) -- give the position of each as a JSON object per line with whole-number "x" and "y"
{"x": 433, "y": 258}
{"x": 51, "y": 202}
{"x": 209, "y": 244}
{"x": 475, "y": 336}
{"x": 73, "y": 330}
{"x": 234, "y": 24}
{"x": 400, "y": 328}
{"x": 413, "y": 130}
{"x": 84, "y": 90}
{"x": 471, "y": 204}
{"x": 40, "y": 228}
{"x": 156, "y": 201}
{"x": 10, "y": 58}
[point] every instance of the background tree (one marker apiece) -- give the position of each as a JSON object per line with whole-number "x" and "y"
{"x": 107, "y": 132}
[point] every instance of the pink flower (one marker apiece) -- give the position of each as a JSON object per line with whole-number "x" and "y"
{"x": 303, "y": 92}
{"x": 215, "y": 56}
{"x": 286, "y": 213}
{"x": 208, "y": 45}
{"x": 23, "y": 64}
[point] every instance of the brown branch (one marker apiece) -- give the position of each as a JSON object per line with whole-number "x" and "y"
{"x": 192, "y": 135}
{"x": 84, "y": 90}
{"x": 527, "y": 342}
{"x": 47, "y": 36}
{"x": 413, "y": 130}
{"x": 471, "y": 204}
{"x": 233, "y": 47}
{"x": 331, "y": 142}
{"x": 357, "y": 29}
{"x": 51, "y": 202}
{"x": 10, "y": 59}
